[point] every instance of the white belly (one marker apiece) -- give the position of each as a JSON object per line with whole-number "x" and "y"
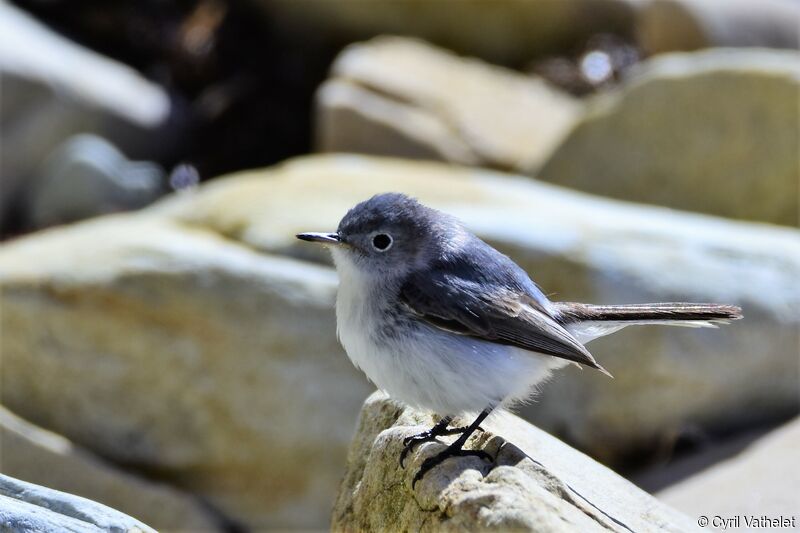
{"x": 433, "y": 369}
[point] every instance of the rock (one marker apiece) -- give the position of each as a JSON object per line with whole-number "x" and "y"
{"x": 713, "y": 131}
{"x": 395, "y": 96}
{"x": 87, "y": 176}
{"x": 579, "y": 248}
{"x": 172, "y": 351}
{"x": 536, "y": 483}
{"x": 53, "y": 88}
{"x": 25, "y": 507}
{"x": 502, "y": 32}
{"x": 44, "y": 458}
{"x": 763, "y": 480}
{"x": 673, "y": 25}
{"x": 351, "y": 118}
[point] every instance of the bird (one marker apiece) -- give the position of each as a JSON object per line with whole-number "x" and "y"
{"x": 442, "y": 321}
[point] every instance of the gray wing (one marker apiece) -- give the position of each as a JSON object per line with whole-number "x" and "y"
{"x": 491, "y": 312}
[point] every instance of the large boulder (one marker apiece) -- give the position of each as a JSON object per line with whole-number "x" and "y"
{"x": 762, "y": 480}
{"x": 397, "y": 96}
{"x": 175, "y": 352}
{"x": 44, "y": 458}
{"x": 535, "y": 483}
{"x": 29, "y": 508}
{"x": 578, "y": 247}
{"x": 712, "y": 131}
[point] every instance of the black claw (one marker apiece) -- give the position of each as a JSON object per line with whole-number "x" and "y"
{"x": 454, "y": 450}
{"x": 426, "y": 436}
{"x": 438, "y": 459}
{"x": 414, "y": 440}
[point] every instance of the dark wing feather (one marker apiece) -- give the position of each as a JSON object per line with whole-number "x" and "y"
{"x": 490, "y": 312}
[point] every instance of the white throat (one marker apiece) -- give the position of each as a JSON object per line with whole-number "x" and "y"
{"x": 356, "y": 310}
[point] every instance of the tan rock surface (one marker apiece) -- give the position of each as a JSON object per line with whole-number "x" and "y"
{"x": 536, "y": 483}
{"x": 399, "y": 96}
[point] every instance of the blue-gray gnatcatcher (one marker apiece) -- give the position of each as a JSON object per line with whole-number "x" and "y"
{"x": 440, "y": 320}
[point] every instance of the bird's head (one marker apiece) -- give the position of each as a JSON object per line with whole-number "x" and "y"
{"x": 387, "y": 236}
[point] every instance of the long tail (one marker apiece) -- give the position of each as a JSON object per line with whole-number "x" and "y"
{"x": 648, "y": 313}
{"x": 587, "y": 321}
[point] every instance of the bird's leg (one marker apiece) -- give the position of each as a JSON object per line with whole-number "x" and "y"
{"x": 455, "y": 449}
{"x": 426, "y": 436}
{"x": 459, "y": 430}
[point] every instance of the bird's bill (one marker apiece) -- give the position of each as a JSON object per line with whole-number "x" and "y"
{"x": 325, "y": 238}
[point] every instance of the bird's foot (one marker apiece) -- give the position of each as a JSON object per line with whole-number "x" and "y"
{"x": 414, "y": 440}
{"x": 427, "y": 436}
{"x": 453, "y": 450}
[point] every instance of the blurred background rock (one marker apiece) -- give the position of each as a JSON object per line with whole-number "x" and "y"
{"x": 179, "y": 362}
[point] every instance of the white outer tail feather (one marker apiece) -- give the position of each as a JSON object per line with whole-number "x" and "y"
{"x": 590, "y": 330}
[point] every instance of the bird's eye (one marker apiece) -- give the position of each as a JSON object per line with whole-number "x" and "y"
{"x": 382, "y": 242}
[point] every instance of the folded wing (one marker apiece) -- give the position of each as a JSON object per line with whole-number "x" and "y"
{"x": 490, "y": 311}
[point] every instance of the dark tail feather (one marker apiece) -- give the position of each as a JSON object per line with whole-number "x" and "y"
{"x": 570, "y": 312}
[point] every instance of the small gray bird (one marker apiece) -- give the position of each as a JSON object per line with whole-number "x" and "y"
{"x": 442, "y": 321}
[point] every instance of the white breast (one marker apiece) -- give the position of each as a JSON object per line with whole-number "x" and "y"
{"x": 431, "y": 368}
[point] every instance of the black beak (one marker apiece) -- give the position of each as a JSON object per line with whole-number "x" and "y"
{"x": 325, "y": 238}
